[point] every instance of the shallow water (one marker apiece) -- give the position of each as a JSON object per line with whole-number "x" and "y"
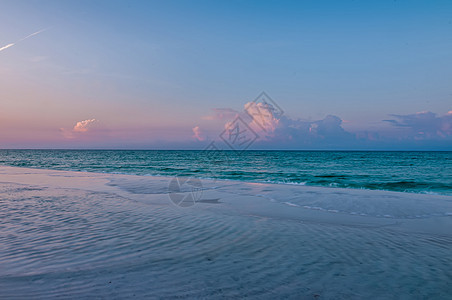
{"x": 124, "y": 239}
{"x": 418, "y": 172}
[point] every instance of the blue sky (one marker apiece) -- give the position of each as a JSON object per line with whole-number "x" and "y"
{"x": 150, "y": 72}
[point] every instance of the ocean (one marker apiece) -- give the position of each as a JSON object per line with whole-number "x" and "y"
{"x": 412, "y": 172}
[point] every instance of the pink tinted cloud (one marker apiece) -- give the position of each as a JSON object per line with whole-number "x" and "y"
{"x": 79, "y": 128}
{"x": 263, "y": 115}
{"x": 83, "y": 126}
{"x": 197, "y": 134}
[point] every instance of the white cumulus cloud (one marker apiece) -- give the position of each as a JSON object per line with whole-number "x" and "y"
{"x": 263, "y": 115}
{"x": 83, "y": 126}
{"x": 80, "y": 127}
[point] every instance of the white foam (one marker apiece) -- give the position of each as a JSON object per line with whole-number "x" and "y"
{"x": 291, "y": 204}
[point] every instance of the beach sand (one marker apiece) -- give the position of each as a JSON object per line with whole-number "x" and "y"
{"x": 87, "y": 235}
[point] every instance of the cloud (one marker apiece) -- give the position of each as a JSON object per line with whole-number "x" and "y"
{"x": 197, "y": 133}
{"x": 423, "y": 130}
{"x": 263, "y": 115}
{"x": 83, "y": 126}
{"x": 277, "y": 130}
{"x": 424, "y": 125}
{"x": 79, "y": 128}
{"x": 28, "y": 36}
{"x": 280, "y": 128}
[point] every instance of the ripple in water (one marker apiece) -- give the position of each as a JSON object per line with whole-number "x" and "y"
{"x": 72, "y": 243}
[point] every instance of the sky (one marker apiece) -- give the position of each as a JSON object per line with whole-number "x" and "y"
{"x": 337, "y": 75}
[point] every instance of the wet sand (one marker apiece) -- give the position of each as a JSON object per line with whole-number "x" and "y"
{"x": 72, "y": 234}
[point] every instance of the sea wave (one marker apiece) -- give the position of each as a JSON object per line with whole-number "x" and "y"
{"x": 389, "y": 171}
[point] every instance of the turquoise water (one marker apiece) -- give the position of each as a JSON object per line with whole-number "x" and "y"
{"x": 416, "y": 172}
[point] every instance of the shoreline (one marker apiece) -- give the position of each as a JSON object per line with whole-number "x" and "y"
{"x": 238, "y": 180}
{"x": 289, "y": 201}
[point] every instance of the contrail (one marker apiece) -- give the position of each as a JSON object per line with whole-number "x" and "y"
{"x": 28, "y": 36}
{"x": 37, "y": 32}
{"x": 6, "y": 47}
